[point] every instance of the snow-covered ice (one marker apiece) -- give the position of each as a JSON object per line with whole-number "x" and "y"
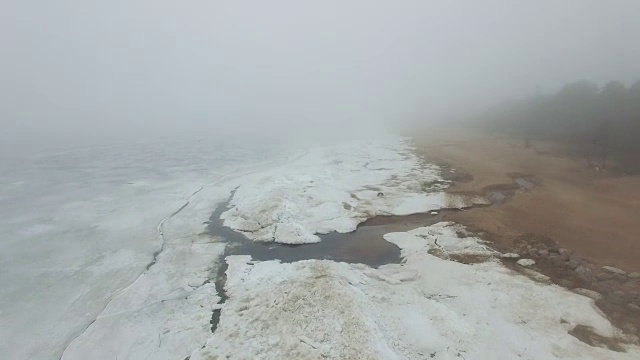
{"x": 78, "y": 226}
{"x": 166, "y": 311}
{"x": 427, "y": 307}
{"x": 335, "y": 189}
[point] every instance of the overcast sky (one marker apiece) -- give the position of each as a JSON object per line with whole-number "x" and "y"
{"x": 107, "y": 69}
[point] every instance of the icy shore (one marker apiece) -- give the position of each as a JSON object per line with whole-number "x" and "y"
{"x": 335, "y": 189}
{"x": 427, "y": 307}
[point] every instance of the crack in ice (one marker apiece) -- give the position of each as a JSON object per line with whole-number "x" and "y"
{"x": 159, "y": 229}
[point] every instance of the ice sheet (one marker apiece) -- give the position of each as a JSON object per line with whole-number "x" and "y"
{"x": 167, "y": 310}
{"x": 79, "y": 226}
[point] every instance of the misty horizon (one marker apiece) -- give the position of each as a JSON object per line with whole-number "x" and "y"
{"x": 77, "y": 71}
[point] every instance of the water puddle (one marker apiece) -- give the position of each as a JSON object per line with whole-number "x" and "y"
{"x": 221, "y": 279}
{"x": 365, "y": 245}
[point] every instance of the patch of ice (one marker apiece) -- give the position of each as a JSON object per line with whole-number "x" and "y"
{"x": 441, "y": 236}
{"x": 166, "y": 311}
{"x": 160, "y": 316}
{"x": 614, "y": 270}
{"x": 526, "y": 262}
{"x": 84, "y": 226}
{"x": 588, "y": 293}
{"x": 426, "y": 307}
{"x": 334, "y": 189}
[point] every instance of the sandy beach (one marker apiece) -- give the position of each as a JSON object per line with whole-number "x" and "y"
{"x": 592, "y": 213}
{"x": 579, "y": 225}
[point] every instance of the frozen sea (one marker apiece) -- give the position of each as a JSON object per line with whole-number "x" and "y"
{"x": 79, "y": 225}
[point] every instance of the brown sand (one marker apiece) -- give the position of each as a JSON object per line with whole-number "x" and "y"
{"x": 592, "y": 213}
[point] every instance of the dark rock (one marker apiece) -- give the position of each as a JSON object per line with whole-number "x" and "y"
{"x": 566, "y": 283}
{"x": 543, "y": 253}
{"x": 621, "y": 277}
{"x": 588, "y": 293}
{"x": 564, "y": 256}
{"x": 619, "y": 293}
{"x": 634, "y": 307}
{"x": 575, "y": 261}
{"x": 555, "y": 259}
{"x": 584, "y": 273}
{"x": 572, "y": 265}
{"x": 634, "y": 275}
{"x": 605, "y": 276}
{"x": 614, "y": 270}
{"x": 617, "y": 297}
{"x": 629, "y": 327}
{"x": 602, "y": 287}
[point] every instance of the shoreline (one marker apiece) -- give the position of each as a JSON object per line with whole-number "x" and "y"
{"x": 518, "y": 223}
{"x": 592, "y": 213}
{"x": 244, "y": 283}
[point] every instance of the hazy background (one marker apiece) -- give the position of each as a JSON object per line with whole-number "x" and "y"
{"x": 77, "y": 71}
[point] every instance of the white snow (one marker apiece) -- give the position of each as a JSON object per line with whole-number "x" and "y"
{"x": 79, "y": 226}
{"x": 336, "y": 188}
{"x": 526, "y": 262}
{"x": 426, "y": 307}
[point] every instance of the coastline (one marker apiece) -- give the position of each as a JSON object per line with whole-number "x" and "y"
{"x": 594, "y": 214}
{"x": 400, "y": 268}
{"x": 451, "y": 293}
{"x": 572, "y": 220}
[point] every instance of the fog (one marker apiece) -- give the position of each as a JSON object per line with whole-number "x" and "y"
{"x": 75, "y": 70}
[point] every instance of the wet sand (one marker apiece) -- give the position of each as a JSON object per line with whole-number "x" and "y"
{"x": 595, "y": 214}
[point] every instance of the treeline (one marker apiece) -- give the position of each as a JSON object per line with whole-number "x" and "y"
{"x": 602, "y": 124}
